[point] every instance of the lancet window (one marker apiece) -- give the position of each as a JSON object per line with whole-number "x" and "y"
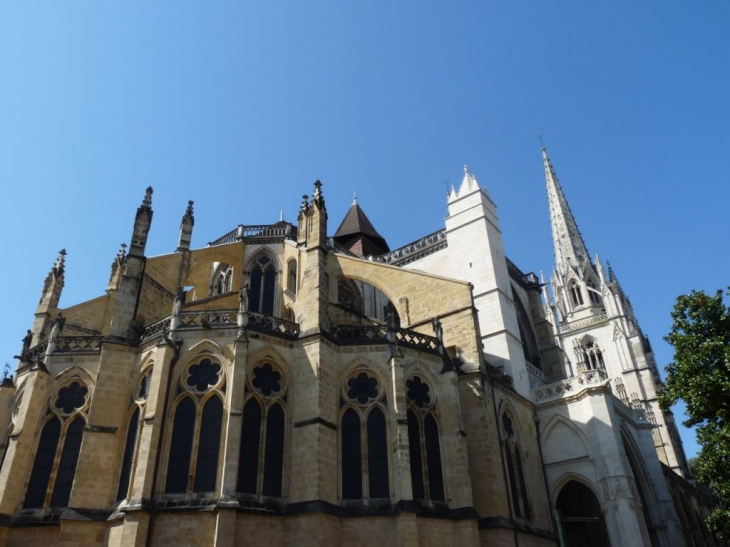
{"x": 515, "y": 470}
{"x": 291, "y": 284}
{"x": 222, "y": 280}
{"x": 593, "y": 293}
{"x": 423, "y": 442}
{"x": 263, "y": 285}
{"x": 59, "y": 444}
{"x": 263, "y": 432}
{"x": 196, "y": 430}
{"x": 592, "y": 355}
{"x": 576, "y": 294}
{"x": 363, "y": 438}
{"x": 140, "y": 395}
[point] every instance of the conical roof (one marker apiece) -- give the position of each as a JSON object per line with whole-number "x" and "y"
{"x": 357, "y": 233}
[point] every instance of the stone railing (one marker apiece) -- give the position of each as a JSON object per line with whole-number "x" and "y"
{"x": 78, "y": 344}
{"x": 208, "y": 319}
{"x": 571, "y": 386}
{"x": 281, "y": 230}
{"x": 269, "y": 324}
{"x": 35, "y": 353}
{"x": 415, "y": 250}
{"x": 155, "y": 329}
{"x": 356, "y": 335}
{"x": 598, "y": 318}
{"x": 526, "y": 281}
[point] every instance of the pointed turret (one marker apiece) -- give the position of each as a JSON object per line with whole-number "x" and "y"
{"x": 570, "y": 249}
{"x": 186, "y": 229}
{"x": 123, "y": 323}
{"x": 357, "y": 234}
{"x": 50, "y": 296}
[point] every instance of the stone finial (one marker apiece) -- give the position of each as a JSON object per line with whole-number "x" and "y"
{"x": 60, "y": 265}
{"x": 469, "y": 182}
{"x": 147, "y": 201}
{"x": 305, "y": 204}
{"x": 317, "y": 195}
{"x": 189, "y": 210}
{"x": 122, "y": 254}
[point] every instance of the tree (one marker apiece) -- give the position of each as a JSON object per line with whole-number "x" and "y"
{"x": 699, "y": 375}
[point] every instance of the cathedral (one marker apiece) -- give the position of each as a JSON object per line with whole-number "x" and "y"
{"x": 291, "y": 384}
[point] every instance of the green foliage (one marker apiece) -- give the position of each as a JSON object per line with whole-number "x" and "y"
{"x": 700, "y": 376}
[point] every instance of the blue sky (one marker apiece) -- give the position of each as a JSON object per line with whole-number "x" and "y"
{"x": 240, "y": 106}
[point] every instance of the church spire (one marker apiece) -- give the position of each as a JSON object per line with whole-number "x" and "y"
{"x": 570, "y": 249}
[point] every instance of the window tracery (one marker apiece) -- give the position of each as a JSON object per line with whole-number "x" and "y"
{"x": 515, "y": 470}
{"x": 592, "y": 355}
{"x": 192, "y": 465}
{"x": 263, "y": 432}
{"x": 222, "y": 280}
{"x": 363, "y": 438}
{"x": 423, "y": 442}
{"x": 263, "y": 285}
{"x": 59, "y": 444}
{"x": 576, "y": 294}
{"x": 131, "y": 444}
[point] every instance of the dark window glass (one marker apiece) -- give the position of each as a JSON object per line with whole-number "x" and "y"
{"x": 433, "y": 459}
{"x": 43, "y": 464}
{"x": 512, "y": 480}
{"x": 351, "y": 456}
{"x": 206, "y": 468}
{"x": 181, "y": 447}
{"x": 128, "y": 459}
{"x": 523, "y": 484}
{"x": 71, "y": 397}
{"x": 248, "y": 455}
{"x": 274, "y": 453}
{"x": 256, "y": 283}
{"x": 414, "y": 451}
{"x": 67, "y": 466}
{"x": 267, "y": 298}
{"x": 378, "y": 455}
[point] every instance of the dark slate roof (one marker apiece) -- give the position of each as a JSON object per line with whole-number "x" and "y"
{"x": 357, "y": 225}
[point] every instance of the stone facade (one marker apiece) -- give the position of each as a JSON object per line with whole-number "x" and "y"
{"x": 275, "y": 387}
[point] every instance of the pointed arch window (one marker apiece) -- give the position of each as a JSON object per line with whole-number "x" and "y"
{"x": 593, "y": 293}
{"x": 576, "y": 294}
{"x": 592, "y": 355}
{"x": 222, "y": 279}
{"x": 131, "y": 444}
{"x": 59, "y": 445}
{"x": 263, "y": 285}
{"x": 291, "y": 284}
{"x": 364, "y": 469}
{"x": 263, "y": 433}
{"x": 515, "y": 470}
{"x": 424, "y": 445}
{"x": 192, "y": 465}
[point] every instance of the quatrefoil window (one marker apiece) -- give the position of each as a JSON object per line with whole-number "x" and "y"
{"x": 417, "y": 392}
{"x": 71, "y": 397}
{"x": 266, "y": 380}
{"x": 362, "y": 388}
{"x": 203, "y": 375}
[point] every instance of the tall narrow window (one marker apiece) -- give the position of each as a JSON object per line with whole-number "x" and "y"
{"x": 263, "y": 433}
{"x": 423, "y": 442}
{"x": 197, "y": 423}
{"x": 221, "y": 279}
{"x": 58, "y": 448}
{"x": 364, "y": 468}
{"x": 131, "y": 445}
{"x": 593, "y": 293}
{"x": 263, "y": 286}
{"x": 576, "y": 294}
{"x": 515, "y": 471}
{"x": 292, "y": 277}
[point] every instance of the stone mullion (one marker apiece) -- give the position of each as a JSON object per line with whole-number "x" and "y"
{"x": 20, "y": 456}
{"x": 401, "y": 465}
{"x": 232, "y": 436}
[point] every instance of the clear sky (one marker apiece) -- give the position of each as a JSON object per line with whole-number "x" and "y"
{"x": 240, "y": 106}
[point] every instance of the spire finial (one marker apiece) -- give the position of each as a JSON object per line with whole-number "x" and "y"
{"x": 60, "y": 264}
{"x": 189, "y": 210}
{"x": 305, "y": 204}
{"x": 147, "y": 201}
{"x": 281, "y": 216}
{"x": 354, "y": 197}
{"x": 539, "y": 137}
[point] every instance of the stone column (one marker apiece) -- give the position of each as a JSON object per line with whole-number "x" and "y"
{"x": 402, "y": 486}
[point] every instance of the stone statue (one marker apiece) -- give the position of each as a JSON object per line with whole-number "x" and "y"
{"x": 26, "y": 342}
{"x": 243, "y": 296}
{"x": 179, "y": 301}
{"x": 58, "y": 323}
